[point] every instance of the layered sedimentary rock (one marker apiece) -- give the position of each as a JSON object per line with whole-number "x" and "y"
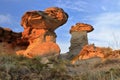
{"x": 7, "y": 35}
{"x": 11, "y": 41}
{"x": 39, "y": 27}
{"x": 79, "y": 37}
{"x": 92, "y": 51}
{"x": 88, "y": 51}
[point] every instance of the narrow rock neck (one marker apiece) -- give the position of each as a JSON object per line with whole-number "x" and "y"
{"x": 78, "y": 40}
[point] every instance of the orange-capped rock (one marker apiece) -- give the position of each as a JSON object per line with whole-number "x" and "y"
{"x": 79, "y": 37}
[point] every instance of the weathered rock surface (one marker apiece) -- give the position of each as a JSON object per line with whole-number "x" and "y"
{"x": 91, "y": 51}
{"x": 40, "y": 49}
{"x": 81, "y": 27}
{"x": 79, "y": 37}
{"x": 39, "y": 27}
{"x": 88, "y": 51}
{"x": 11, "y": 41}
{"x": 49, "y": 19}
{"x": 7, "y": 35}
{"x": 78, "y": 40}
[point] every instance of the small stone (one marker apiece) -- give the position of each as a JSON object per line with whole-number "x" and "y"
{"x": 44, "y": 60}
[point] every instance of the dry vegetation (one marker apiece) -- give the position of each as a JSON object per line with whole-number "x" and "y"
{"x": 20, "y": 68}
{"x": 14, "y": 67}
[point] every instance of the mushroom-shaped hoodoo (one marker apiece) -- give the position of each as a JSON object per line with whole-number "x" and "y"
{"x": 39, "y": 27}
{"x": 79, "y": 37}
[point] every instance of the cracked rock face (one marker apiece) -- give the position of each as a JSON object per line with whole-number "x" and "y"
{"x": 39, "y": 27}
{"x": 79, "y": 37}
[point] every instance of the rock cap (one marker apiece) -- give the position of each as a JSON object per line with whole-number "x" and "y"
{"x": 50, "y": 19}
{"x": 81, "y": 27}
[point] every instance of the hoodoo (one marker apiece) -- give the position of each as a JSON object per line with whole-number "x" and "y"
{"x": 39, "y": 27}
{"x": 79, "y": 37}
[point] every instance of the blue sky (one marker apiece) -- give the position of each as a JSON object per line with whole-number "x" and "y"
{"x": 104, "y": 15}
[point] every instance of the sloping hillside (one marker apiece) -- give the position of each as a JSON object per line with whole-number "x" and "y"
{"x": 20, "y": 68}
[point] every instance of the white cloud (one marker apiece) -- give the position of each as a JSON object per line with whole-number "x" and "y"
{"x": 9, "y": 21}
{"x": 104, "y": 8}
{"x": 5, "y": 18}
{"x": 107, "y": 30}
{"x": 13, "y": 0}
{"x": 78, "y": 5}
{"x": 119, "y": 3}
{"x": 106, "y": 25}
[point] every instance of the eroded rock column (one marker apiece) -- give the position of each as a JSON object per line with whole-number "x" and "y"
{"x": 79, "y": 37}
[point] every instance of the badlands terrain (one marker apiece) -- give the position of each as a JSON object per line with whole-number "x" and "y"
{"x": 35, "y": 55}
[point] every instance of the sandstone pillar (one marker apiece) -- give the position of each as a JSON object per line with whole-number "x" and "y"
{"x": 39, "y": 30}
{"x": 78, "y": 40}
